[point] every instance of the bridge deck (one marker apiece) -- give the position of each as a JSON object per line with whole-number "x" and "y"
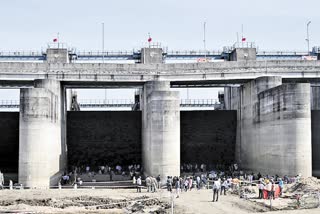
{"x": 78, "y": 74}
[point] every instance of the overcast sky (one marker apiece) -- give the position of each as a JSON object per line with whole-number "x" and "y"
{"x": 177, "y": 24}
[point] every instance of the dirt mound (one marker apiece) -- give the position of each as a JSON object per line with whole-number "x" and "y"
{"x": 312, "y": 181}
{"x": 135, "y": 205}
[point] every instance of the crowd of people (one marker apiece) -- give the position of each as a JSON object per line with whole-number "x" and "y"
{"x": 269, "y": 187}
{"x": 75, "y": 173}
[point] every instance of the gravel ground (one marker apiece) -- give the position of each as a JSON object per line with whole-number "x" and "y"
{"x": 127, "y": 201}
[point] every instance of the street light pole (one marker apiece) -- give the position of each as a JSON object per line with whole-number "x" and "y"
{"x": 308, "y": 37}
{"x": 102, "y": 42}
{"x": 204, "y": 41}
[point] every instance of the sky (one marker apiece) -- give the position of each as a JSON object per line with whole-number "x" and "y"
{"x": 176, "y": 24}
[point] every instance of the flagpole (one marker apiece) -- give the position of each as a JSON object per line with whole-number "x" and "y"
{"x": 58, "y": 39}
{"x": 242, "y": 34}
{"x": 238, "y": 39}
{"x": 204, "y": 41}
{"x": 102, "y": 42}
{"x": 149, "y": 39}
{"x": 105, "y": 90}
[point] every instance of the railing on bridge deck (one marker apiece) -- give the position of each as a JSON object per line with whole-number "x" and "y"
{"x": 107, "y": 55}
{"x": 116, "y": 103}
{"x": 100, "y": 103}
{"x": 9, "y": 103}
{"x": 22, "y": 55}
{"x": 79, "y": 56}
{"x": 199, "y": 103}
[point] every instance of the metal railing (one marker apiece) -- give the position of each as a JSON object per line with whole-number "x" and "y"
{"x": 9, "y": 103}
{"x": 282, "y": 53}
{"x": 101, "y": 103}
{"x": 193, "y": 52}
{"x": 96, "y": 103}
{"x": 105, "y": 53}
{"x": 135, "y": 54}
{"x": 21, "y": 53}
{"x": 199, "y": 102}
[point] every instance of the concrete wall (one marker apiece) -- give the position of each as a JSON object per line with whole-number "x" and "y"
{"x": 315, "y": 98}
{"x": 208, "y": 137}
{"x": 243, "y": 54}
{"x": 315, "y": 125}
{"x": 151, "y": 55}
{"x": 9, "y": 142}
{"x": 100, "y": 138}
{"x": 274, "y": 126}
{"x": 57, "y": 55}
{"x": 104, "y": 137}
{"x": 315, "y": 107}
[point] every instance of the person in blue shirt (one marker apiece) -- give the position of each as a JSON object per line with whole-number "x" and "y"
{"x": 280, "y": 186}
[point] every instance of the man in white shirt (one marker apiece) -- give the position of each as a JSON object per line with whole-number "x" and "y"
{"x": 216, "y": 188}
{"x": 261, "y": 188}
{"x": 224, "y": 187}
{"x": 139, "y": 184}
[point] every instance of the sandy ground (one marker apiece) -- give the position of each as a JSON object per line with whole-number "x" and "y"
{"x": 61, "y": 201}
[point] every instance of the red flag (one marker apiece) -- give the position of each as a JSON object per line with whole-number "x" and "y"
{"x": 55, "y": 40}
{"x": 150, "y": 39}
{"x": 243, "y": 39}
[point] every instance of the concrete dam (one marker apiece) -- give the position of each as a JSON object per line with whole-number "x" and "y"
{"x": 269, "y": 122}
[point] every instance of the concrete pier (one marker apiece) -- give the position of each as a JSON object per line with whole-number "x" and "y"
{"x": 151, "y": 55}
{"x": 274, "y": 126}
{"x": 42, "y": 143}
{"x": 160, "y": 129}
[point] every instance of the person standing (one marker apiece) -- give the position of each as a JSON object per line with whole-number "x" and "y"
{"x": 216, "y": 188}
{"x": 139, "y": 184}
{"x": 134, "y": 181}
{"x": 1, "y": 180}
{"x": 111, "y": 174}
{"x": 169, "y": 184}
{"x": 224, "y": 186}
{"x": 148, "y": 183}
{"x": 281, "y": 186}
{"x": 261, "y": 188}
{"x": 273, "y": 187}
{"x": 158, "y": 181}
{"x": 198, "y": 182}
{"x": 154, "y": 184}
{"x": 269, "y": 189}
{"x": 177, "y": 186}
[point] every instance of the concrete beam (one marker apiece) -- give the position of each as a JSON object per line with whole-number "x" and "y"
{"x": 141, "y": 73}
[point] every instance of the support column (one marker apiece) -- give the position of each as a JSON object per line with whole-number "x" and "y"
{"x": 160, "y": 129}
{"x": 274, "y": 127}
{"x": 42, "y": 142}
